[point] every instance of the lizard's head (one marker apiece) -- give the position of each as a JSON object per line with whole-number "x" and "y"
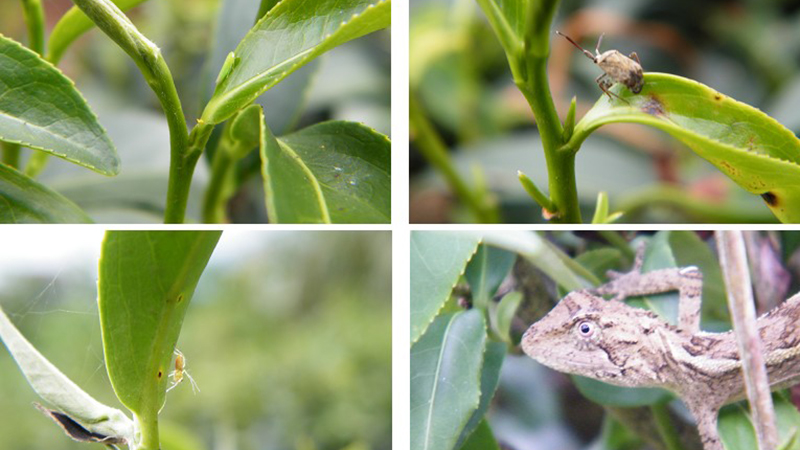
{"x": 589, "y": 336}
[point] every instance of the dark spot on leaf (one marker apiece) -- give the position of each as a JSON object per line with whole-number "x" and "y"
{"x": 770, "y": 198}
{"x": 653, "y": 106}
{"x": 160, "y": 374}
{"x": 180, "y": 298}
{"x": 717, "y": 96}
{"x": 75, "y": 430}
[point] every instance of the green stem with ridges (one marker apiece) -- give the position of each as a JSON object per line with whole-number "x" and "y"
{"x": 183, "y": 151}
{"x": 527, "y": 56}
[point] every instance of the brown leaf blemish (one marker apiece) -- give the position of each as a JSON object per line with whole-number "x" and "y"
{"x": 729, "y": 168}
{"x": 770, "y": 198}
{"x": 653, "y": 106}
{"x": 751, "y": 143}
{"x": 160, "y": 374}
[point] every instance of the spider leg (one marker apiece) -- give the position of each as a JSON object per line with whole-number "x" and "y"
{"x": 174, "y": 383}
{"x": 195, "y": 387}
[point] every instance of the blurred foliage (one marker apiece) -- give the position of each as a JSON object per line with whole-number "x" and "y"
{"x": 290, "y": 345}
{"x": 186, "y": 33}
{"x": 748, "y": 50}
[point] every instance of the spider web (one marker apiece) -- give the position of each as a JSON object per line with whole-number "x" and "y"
{"x": 58, "y": 315}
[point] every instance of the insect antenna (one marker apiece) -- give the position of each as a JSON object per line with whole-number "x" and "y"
{"x": 585, "y": 52}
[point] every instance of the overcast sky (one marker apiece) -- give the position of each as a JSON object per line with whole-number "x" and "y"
{"x": 49, "y": 250}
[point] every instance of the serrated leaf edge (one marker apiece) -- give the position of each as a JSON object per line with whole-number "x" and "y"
{"x": 88, "y": 109}
{"x": 444, "y": 301}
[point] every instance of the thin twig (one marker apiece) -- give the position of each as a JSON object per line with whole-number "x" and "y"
{"x": 733, "y": 260}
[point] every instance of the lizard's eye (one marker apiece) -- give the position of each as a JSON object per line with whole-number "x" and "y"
{"x": 586, "y": 328}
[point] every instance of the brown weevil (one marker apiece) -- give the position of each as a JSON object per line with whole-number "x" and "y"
{"x": 616, "y": 68}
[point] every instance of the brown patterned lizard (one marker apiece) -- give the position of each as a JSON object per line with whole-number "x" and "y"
{"x": 613, "y": 342}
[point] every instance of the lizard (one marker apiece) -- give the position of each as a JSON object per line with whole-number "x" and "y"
{"x": 619, "y": 344}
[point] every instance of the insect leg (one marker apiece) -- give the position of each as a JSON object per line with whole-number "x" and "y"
{"x": 605, "y": 84}
{"x": 635, "y": 57}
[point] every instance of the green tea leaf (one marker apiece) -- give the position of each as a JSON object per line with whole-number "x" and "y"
{"x": 736, "y": 427}
{"x": 493, "y": 357}
{"x": 290, "y": 35}
{"x": 481, "y": 439}
{"x": 438, "y": 259}
{"x": 284, "y": 102}
{"x": 23, "y": 200}
{"x": 332, "y": 172}
{"x": 506, "y": 310}
{"x": 146, "y": 281}
{"x": 72, "y": 25}
{"x": 445, "y": 379}
{"x": 40, "y": 108}
{"x": 751, "y": 148}
{"x": 245, "y": 131}
{"x": 487, "y": 269}
{"x": 59, "y": 391}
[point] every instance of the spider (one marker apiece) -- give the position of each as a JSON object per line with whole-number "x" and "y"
{"x": 180, "y": 372}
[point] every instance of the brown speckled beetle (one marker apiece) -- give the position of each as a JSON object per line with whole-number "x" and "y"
{"x": 616, "y": 67}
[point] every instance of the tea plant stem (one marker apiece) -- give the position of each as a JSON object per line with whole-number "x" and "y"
{"x": 149, "y": 432}
{"x": 431, "y": 146}
{"x": 181, "y": 171}
{"x": 218, "y": 191}
{"x": 183, "y": 151}
{"x": 34, "y": 19}
{"x": 529, "y": 68}
{"x": 527, "y": 54}
{"x": 11, "y": 154}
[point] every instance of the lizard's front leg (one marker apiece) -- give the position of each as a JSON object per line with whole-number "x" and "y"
{"x": 706, "y": 417}
{"x": 688, "y": 281}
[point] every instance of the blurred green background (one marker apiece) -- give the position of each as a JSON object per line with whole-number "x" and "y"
{"x": 747, "y": 49}
{"x": 350, "y": 82}
{"x": 288, "y": 338}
